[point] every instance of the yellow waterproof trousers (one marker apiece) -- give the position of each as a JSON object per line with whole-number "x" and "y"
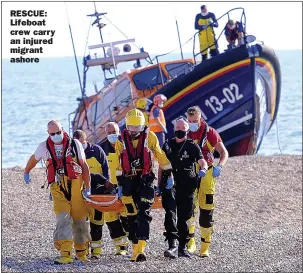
{"x": 117, "y": 225}
{"x": 207, "y": 204}
{"x": 71, "y": 215}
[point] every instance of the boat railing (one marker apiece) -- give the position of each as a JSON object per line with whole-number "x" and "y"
{"x": 227, "y": 14}
{"x": 188, "y": 67}
{"x": 109, "y": 112}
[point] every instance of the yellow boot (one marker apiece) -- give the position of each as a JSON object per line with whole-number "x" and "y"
{"x": 135, "y": 253}
{"x": 96, "y": 249}
{"x": 205, "y": 238}
{"x": 121, "y": 250}
{"x": 191, "y": 245}
{"x": 96, "y": 253}
{"x": 141, "y": 255}
{"x": 204, "y": 250}
{"x": 66, "y": 258}
{"x": 81, "y": 256}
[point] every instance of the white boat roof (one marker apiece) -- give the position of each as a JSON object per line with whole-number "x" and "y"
{"x": 108, "y": 61}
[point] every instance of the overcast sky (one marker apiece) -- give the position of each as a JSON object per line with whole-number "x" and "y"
{"x": 278, "y": 24}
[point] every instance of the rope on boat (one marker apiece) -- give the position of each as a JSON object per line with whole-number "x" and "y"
{"x": 120, "y": 31}
{"x": 85, "y": 48}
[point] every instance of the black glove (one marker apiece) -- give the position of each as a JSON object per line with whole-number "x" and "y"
{"x": 148, "y": 179}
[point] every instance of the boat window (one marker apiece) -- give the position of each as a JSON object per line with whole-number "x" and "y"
{"x": 109, "y": 101}
{"x": 96, "y": 116}
{"x": 148, "y": 78}
{"x": 123, "y": 93}
{"x": 176, "y": 69}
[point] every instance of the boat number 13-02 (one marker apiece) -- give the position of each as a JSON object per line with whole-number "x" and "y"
{"x": 231, "y": 95}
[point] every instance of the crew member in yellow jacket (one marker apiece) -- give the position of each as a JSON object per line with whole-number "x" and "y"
{"x": 143, "y": 105}
{"x": 98, "y": 164}
{"x": 205, "y": 22}
{"x": 135, "y": 177}
{"x": 65, "y": 160}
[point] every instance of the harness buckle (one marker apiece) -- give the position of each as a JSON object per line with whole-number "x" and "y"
{"x": 135, "y": 165}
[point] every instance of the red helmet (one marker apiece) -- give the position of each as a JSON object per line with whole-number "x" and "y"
{"x": 158, "y": 99}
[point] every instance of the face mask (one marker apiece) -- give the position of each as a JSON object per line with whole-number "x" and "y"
{"x": 193, "y": 127}
{"x": 204, "y": 13}
{"x": 112, "y": 138}
{"x": 160, "y": 105}
{"x": 57, "y": 138}
{"x": 180, "y": 134}
{"x": 84, "y": 145}
{"x": 146, "y": 108}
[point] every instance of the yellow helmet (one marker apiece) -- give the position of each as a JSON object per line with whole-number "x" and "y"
{"x": 142, "y": 103}
{"x": 135, "y": 118}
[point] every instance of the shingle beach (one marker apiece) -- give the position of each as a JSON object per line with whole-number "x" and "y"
{"x": 258, "y": 224}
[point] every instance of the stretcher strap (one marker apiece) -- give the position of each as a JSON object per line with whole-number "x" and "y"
{"x": 105, "y": 203}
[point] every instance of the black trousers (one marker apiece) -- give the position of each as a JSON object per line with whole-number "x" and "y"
{"x": 178, "y": 203}
{"x": 142, "y": 192}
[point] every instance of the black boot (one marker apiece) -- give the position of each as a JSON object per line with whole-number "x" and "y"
{"x": 172, "y": 247}
{"x": 182, "y": 251}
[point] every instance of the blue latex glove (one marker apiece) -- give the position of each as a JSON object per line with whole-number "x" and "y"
{"x": 170, "y": 183}
{"x": 158, "y": 191}
{"x": 217, "y": 170}
{"x": 27, "y": 178}
{"x": 119, "y": 191}
{"x": 204, "y": 27}
{"x": 50, "y": 197}
{"x": 87, "y": 193}
{"x": 202, "y": 173}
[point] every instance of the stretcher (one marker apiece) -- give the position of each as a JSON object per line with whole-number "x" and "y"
{"x": 111, "y": 202}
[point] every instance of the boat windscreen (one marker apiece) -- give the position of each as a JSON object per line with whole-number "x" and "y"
{"x": 148, "y": 78}
{"x": 176, "y": 69}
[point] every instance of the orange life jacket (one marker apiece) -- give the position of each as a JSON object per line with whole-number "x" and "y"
{"x": 65, "y": 165}
{"x": 135, "y": 158}
{"x": 153, "y": 123}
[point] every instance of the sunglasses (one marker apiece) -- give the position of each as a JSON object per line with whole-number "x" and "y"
{"x": 57, "y": 133}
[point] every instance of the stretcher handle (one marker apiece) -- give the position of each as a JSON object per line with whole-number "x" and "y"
{"x": 101, "y": 203}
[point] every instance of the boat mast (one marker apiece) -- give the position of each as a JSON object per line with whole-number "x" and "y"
{"x": 99, "y": 25}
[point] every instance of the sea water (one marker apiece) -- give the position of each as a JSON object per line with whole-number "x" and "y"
{"x": 33, "y": 94}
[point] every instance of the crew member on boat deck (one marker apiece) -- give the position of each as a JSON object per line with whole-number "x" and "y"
{"x": 205, "y": 22}
{"x": 98, "y": 164}
{"x": 209, "y": 141}
{"x": 143, "y": 105}
{"x": 233, "y": 31}
{"x": 66, "y": 171}
{"x": 183, "y": 153}
{"x": 157, "y": 122}
{"x": 135, "y": 177}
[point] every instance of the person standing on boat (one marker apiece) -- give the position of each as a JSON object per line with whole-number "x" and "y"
{"x": 135, "y": 177}
{"x": 98, "y": 164}
{"x": 209, "y": 141}
{"x": 67, "y": 169}
{"x": 233, "y": 31}
{"x": 183, "y": 153}
{"x": 157, "y": 122}
{"x": 142, "y": 105}
{"x": 205, "y": 22}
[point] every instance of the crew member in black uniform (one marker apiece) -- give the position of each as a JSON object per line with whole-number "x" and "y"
{"x": 178, "y": 199}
